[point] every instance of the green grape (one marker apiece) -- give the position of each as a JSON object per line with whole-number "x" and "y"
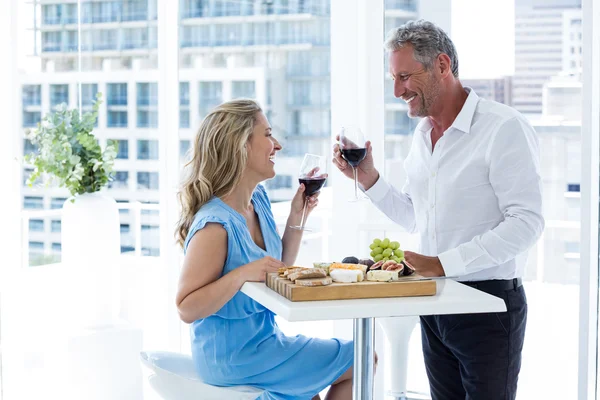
{"x": 387, "y": 252}
{"x": 378, "y": 257}
{"x": 397, "y": 259}
{"x": 394, "y": 245}
{"x": 377, "y": 250}
{"x": 372, "y": 254}
{"x": 399, "y": 253}
{"x": 372, "y": 246}
{"x": 385, "y": 243}
{"x": 385, "y": 258}
{"x": 376, "y": 242}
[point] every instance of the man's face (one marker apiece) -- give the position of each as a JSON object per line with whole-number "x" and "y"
{"x": 412, "y": 83}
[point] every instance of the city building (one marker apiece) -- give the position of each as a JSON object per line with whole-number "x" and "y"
{"x": 547, "y": 41}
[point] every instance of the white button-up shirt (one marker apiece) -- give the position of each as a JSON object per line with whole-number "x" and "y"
{"x": 476, "y": 200}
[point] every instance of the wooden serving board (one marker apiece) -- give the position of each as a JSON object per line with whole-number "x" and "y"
{"x": 413, "y": 285}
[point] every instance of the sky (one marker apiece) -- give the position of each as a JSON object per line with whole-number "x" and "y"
{"x": 484, "y": 35}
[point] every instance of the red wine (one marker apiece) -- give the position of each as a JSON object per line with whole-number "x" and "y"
{"x": 312, "y": 185}
{"x": 354, "y": 156}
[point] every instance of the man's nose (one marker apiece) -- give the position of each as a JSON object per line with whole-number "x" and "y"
{"x": 399, "y": 89}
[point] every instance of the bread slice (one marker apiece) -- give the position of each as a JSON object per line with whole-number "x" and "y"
{"x": 314, "y": 281}
{"x": 306, "y": 273}
{"x": 285, "y": 271}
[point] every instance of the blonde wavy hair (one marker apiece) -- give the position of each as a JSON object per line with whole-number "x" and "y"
{"x": 218, "y": 159}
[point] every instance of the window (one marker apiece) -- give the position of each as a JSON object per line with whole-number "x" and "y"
{"x": 184, "y": 104}
{"x": 55, "y": 226}
{"x": 279, "y": 182}
{"x": 88, "y": 94}
{"x": 51, "y": 42}
{"x": 147, "y": 180}
{"x": 184, "y": 118}
{"x": 147, "y": 149}
{"x": 136, "y": 38}
{"x": 36, "y": 246}
{"x": 125, "y": 228}
{"x": 29, "y": 147}
{"x": 210, "y": 96}
{"x": 36, "y": 225}
{"x": 116, "y": 94}
{"x": 57, "y": 202}
{"x": 59, "y": 94}
{"x": 51, "y": 14}
{"x": 573, "y": 187}
{"x": 243, "y": 89}
{"x": 147, "y": 94}
{"x": 33, "y": 203}
{"x": 31, "y": 118}
{"x": 147, "y": 119}
{"x": 184, "y": 147}
{"x": 117, "y": 119}
{"x": 122, "y": 149}
{"x": 127, "y": 249}
{"x": 32, "y": 95}
{"x": 147, "y": 99}
{"x": 56, "y": 247}
{"x": 121, "y": 210}
{"x": 120, "y": 180}
{"x": 149, "y": 212}
{"x": 135, "y": 10}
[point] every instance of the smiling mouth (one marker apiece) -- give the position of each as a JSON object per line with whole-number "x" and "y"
{"x": 272, "y": 159}
{"x": 410, "y": 99}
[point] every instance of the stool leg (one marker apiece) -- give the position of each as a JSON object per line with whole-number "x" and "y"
{"x": 364, "y": 341}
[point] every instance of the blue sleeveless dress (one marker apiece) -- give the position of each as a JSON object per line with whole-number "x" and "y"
{"x": 241, "y": 343}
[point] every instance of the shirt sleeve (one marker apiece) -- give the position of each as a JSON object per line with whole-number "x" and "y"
{"x": 513, "y": 159}
{"x": 397, "y": 205}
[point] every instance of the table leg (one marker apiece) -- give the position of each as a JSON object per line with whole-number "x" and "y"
{"x": 364, "y": 343}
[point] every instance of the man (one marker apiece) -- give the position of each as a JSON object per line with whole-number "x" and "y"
{"x": 473, "y": 192}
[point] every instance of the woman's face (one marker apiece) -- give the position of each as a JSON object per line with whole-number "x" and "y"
{"x": 262, "y": 147}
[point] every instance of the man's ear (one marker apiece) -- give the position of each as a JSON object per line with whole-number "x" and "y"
{"x": 444, "y": 65}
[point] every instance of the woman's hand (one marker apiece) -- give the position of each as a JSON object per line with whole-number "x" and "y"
{"x": 257, "y": 271}
{"x": 298, "y": 201}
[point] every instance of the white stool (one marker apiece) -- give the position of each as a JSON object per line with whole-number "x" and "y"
{"x": 398, "y": 332}
{"x": 175, "y": 378}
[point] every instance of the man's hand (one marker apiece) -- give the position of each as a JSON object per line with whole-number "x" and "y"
{"x": 367, "y": 174}
{"x": 426, "y": 266}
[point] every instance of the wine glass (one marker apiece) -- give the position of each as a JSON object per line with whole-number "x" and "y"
{"x": 354, "y": 149}
{"x": 313, "y": 174}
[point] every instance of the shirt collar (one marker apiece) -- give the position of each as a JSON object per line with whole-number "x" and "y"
{"x": 463, "y": 120}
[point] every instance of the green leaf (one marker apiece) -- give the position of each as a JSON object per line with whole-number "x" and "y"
{"x": 69, "y": 151}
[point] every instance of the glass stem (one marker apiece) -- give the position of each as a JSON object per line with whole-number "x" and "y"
{"x": 303, "y": 221}
{"x": 355, "y": 182}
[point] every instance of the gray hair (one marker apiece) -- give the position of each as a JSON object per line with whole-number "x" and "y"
{"x": 428, "y": 41}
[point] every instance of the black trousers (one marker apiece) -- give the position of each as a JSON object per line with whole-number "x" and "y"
{"x": 476, "y": 356}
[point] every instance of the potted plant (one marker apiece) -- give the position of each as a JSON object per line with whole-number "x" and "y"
{"x": 70, "y": 156}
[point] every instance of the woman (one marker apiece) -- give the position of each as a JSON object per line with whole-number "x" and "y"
{"x": 229, "y": 237}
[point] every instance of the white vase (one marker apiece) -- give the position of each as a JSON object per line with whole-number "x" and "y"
{"x": 91, "y": 246}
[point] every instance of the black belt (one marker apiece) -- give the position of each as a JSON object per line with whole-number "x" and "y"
{"x": 495, "y": 285}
